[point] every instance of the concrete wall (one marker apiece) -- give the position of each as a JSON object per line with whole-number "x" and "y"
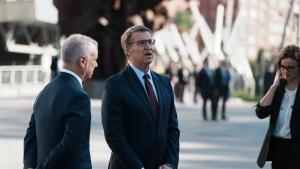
{"x": 17, "y": 11}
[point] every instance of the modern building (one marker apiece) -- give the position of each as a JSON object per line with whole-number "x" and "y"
{"x": 261, "y": 24}
{"x": 28, "y": 41}
{"x": 264, "y": 24}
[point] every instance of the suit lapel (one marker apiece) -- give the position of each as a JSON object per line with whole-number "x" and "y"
{"x": 296, "y": 106}
{"x": 137, "y": 87}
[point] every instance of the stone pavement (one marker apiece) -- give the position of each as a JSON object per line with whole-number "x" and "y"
{"x": 231, "y": 144}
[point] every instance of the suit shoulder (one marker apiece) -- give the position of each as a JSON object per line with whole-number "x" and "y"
{"x": 115, "y": 81}
{"x": 114, "y": 78}
{"x": 65, "y": 88}
{"x": 161, "y": 76}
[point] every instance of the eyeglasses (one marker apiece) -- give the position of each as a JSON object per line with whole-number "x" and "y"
{"x": 143, "y": 43}
{"x": 287, "y": 68}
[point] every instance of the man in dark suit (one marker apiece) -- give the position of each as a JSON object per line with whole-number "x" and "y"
{"x": 221, "y": 87}
{"x": 138, "y": 113}
{"x": 183, "y": 79}
{"x": 205, "y": 84}
{"x": 59, "y": 128}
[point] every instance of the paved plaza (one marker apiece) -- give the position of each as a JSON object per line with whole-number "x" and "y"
{"x": 231, "y": 144}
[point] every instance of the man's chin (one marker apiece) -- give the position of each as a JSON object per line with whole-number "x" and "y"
{"x": 149, "y": 61}
{"x": 85, "y": 78}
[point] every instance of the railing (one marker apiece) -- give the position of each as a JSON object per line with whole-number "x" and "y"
{"x": 23, "y": 75}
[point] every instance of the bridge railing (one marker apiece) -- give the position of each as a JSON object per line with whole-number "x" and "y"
{"x": 11, "y": 76}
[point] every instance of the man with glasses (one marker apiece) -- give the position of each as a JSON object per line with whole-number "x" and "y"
{"x": 138, "y": 113}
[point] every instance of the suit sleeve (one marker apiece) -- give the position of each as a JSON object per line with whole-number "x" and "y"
{"x": 77, "y": 120}
{"x": 112, "y": 113}
{"x": 172, "y": 155}
{"x": 30, "y": 147}
{"x": 263, "y": 111}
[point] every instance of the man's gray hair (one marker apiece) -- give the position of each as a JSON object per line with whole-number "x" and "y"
{"x": 126, "y": 36}
{"x": 75, "y": 46}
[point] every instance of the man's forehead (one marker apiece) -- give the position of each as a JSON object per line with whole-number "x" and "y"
{"x": 140, "y": 34}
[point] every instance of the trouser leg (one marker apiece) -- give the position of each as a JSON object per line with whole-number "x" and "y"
{"x": 224, "y": 108}
{"x": 214, "y": 104}
{"x": 204, "y": 115}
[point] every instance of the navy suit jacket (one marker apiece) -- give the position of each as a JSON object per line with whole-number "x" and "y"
{"x": 205, "y": 82}
{"x": 135, "y": 137}
{"x": 59, "y": 129}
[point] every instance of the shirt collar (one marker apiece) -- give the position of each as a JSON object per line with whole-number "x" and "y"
{"x": 138, "y": 72}
{"x": 73, "y": 74}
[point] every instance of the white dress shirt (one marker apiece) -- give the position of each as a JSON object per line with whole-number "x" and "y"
{"x": 140, "y": 75}
{"x": 282, "y": 128}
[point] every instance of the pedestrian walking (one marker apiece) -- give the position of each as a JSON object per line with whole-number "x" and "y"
{"x": 221, "y": 87}
{"x": 205, "y": 82}
{"x": 183, "y": 79}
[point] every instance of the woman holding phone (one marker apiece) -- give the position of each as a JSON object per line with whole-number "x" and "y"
{"x": 282, "y": 104}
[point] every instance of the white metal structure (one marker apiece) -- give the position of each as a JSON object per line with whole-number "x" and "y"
{"x": 230, "y": 40}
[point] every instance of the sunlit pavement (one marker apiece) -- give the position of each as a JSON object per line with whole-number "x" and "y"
{"x": 231, "y": 144}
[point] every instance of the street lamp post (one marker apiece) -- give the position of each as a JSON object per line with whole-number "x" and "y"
{"x": 286, "y": 24}
{"x": 296, "y": 15}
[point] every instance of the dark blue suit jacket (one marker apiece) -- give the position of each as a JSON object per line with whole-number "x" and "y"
{"x": 222, "y": 81}
{"x": 205, "y": 82}
{"x": 59, "y": 129}
{"x": 131, "y": 131}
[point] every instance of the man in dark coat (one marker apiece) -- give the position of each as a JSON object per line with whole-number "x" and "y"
{"x": 59, "y": 129}
{"x": 222, "y": 89}
{"x": 205, "y": 82}
{"x": 138, "y": 113}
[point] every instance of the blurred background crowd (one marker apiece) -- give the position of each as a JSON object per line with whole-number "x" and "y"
{"x": 230, "y": 43}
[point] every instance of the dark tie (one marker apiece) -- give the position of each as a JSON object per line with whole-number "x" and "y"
{"x": 153, "y": 101}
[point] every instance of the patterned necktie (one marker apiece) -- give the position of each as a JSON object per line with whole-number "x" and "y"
{"x": 152, "y": 98}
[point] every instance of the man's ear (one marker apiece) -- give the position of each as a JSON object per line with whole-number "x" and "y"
{"x": 82, "y": 61}
{"x": 127, "y": 51}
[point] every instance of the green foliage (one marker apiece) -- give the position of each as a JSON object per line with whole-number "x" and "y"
{"x": 183, "y": 21}
{"x": 244, "y": 96}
